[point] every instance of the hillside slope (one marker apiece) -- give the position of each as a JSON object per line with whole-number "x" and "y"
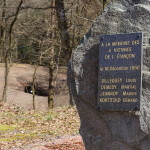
{"x": 21, "y": 75}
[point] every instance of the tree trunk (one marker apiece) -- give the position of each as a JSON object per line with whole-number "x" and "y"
{"x": 3, "y": 31}
{"x": 51, "y": 61}
{"x": 51, "y": 88}
{"x": 7, "y": 43}
{"x": 63, "y": 28}
{"x": 4, "y": 95}
{"x": 4, "y": 52}
{"x": 34, "y": 86}
{"x": 64, "y": 35}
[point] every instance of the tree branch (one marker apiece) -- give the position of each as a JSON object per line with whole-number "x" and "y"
{"x": 15, "y": 18}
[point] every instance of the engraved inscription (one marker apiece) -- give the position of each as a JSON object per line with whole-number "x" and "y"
{"x": 119, "y": 83}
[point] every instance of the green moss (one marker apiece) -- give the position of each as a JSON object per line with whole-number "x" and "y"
{"x": 5, "y": 140}
{"x": 18, "y": 137}
{"x": 6, "y": 127}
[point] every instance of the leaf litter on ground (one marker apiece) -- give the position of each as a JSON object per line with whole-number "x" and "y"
{"x": 19, "y": 128}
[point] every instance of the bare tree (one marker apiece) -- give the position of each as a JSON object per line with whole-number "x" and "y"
{"x": 63, "y": 28}
{"x": 6, "y": 42}
{"x": 34, "y": 86}
{"x": 48, "y": 31}
{"x": 51, "y": 59}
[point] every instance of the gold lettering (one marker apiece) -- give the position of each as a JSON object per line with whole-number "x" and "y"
{"x": 108, "y": 87}
{"x": 102, "y": 44}
{"x": 110, "y": 100}
{"x": 129, "y": 93}
{"x": 130, "y": 100}
{"x": 130, "y": 80}
{"x": 101, "y": 69}
{"x": 136, "y": 42}
{"x": 113, "y": 80}
{"x": 109, "y": 50}
{"x": 118, "y": 68}
{"x": 128, "y": 87}
{"x": 106, "y": 68}
{"x": 107, "y": 44}
{"x": 125, "y": 56}
{"x": 135, "y": 67}
{"x": 127, "y": 49}
{"x": 120, "y": 43}
{"x": 107, "y": 56}
{"x": 114, "y": 93}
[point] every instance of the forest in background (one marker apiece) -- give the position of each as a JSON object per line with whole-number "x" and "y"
{"x": 43, "y": 33}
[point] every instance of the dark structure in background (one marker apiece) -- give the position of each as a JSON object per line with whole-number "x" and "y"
{"x": 40, "y": 91}
{"x": 28, "y": 89}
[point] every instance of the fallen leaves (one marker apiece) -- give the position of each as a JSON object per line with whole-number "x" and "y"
{"x": 24, "y": 127}
{"x": 66, "y": 143}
